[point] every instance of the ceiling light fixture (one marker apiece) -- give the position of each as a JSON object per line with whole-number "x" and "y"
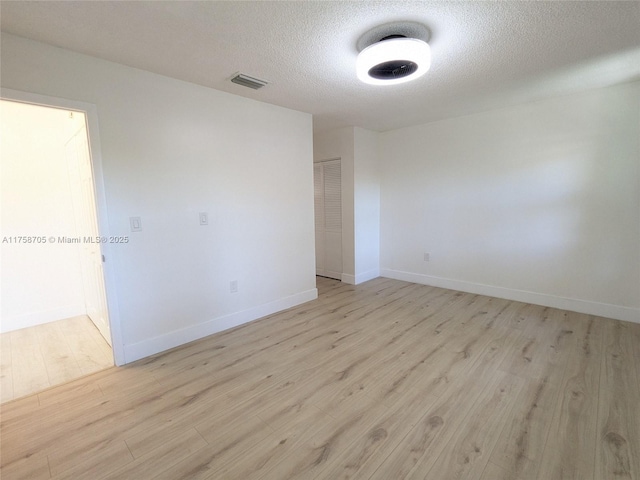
{"x": 393, "y": 53}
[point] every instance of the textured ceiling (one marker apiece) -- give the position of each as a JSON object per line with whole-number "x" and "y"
{"x": 484, "y": 54}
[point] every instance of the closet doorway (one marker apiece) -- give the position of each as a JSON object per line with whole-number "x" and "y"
{"x": 328, "y": 217}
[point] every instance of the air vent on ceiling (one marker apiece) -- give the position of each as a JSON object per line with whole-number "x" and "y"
{"x": 247, "y": 81}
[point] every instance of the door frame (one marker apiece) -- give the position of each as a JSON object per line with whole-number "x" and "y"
{"x": 91, "y": 114}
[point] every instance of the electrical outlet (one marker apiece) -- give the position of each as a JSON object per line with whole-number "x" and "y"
{"x": 233, "y": 286}
{"x": 426, "y": 257}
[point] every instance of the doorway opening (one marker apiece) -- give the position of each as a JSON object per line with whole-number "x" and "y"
{"x": 55, "y": 323}
{"x": 327, "y": 179}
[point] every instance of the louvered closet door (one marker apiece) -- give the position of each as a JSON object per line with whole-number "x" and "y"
{"x": 328, "y": 215}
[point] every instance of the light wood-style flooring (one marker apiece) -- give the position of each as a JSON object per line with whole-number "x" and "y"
{"x": 35, "y": 358}
{"x": 385, "y": 380}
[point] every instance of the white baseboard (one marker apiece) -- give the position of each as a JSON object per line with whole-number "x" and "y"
{"x": 17, "y": 322}
{"x": 617, "y": 312}
{"x": 366, "y": 276}
{"x": 176, "y": 338}
{"x": 347, "y": 278}
{"x": 361, "y": 277}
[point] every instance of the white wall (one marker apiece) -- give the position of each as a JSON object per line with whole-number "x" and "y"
{"x": 366, "y": 205}
{"x": 41, "y": 282}
{"x": 537, "y": 202}
{"x": 170, "y": 150}
{"x": 339, "y": 143}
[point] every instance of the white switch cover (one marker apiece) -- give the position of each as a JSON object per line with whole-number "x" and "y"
{"x": 136, "y": 224}
{"x": 204, "y": 218}
{"x": 233, "y": 286}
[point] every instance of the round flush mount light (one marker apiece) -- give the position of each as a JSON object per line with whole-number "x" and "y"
{"x": 393, "y": 53}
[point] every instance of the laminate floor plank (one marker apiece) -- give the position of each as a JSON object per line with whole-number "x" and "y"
{"x": 618, "y": 429}
{"x": 84, "y": 437}
{"x": 158, "y": 460}
{"x": 523, "y": 437}
{"x": 286, "y": 404}
{"x": 569, "y": 451}
{"x": 272, "y": 450}
{"x": 383, "y": 380}
{"x": 29, "y": 370}
{"x": 634, "y": 330}
{"x": 35, "y": 467}
{"x": 363, "y": 457}
{"x": 324, "y": 446}
{"x": 228, "y": 439}
{"x": 82, "y": 462}
{"x": 425, "y": 442}
{"x": 113, "y": 457}
{"x": 543, "y": 355}
{"x": 367, "y": 324}
{"x": 519, "y": 449}
{"x": 60, "y": 362}
{"x": 466, "y": 454}
{"x": 73, "y": 394}
{"x": 400, "y": 339}
{"x": 494, "y": 472}
{"x": 6, "y": 372}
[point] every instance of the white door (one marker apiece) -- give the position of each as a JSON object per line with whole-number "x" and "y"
{"x": 81, "y": 182}
{"x": 328, "y": 217}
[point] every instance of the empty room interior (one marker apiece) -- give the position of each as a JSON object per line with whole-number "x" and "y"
{"x": 320, "y": 240}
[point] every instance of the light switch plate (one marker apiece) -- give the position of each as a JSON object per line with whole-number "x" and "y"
{"x": 204, "y": 218}
{"x": 135, "y": 223}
